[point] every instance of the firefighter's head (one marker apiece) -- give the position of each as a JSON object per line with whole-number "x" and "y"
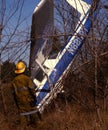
{"x": 20, "y": 67}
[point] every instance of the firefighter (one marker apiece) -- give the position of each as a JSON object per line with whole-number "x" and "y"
{"x": 24, "y": 93}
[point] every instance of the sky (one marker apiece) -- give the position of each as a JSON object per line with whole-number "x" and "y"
{"x": 27, "y": 12}
{"x": 28, "y": 9}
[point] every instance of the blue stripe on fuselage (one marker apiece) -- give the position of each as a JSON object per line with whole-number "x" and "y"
{"x": 88, "y": 1}
{"x": 64, "y": 62}
{"x": 60, "y": 67}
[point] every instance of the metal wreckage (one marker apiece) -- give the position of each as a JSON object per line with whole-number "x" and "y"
{"x": 47, "y": 71}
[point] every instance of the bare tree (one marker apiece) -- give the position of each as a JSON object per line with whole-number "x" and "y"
{"x": 15, "y": 31}
{"x": 14, "y": 34}
{"x": 88, "y": 63}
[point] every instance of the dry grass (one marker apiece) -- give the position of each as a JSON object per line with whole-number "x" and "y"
{"x": 75, "y": 117}
{"x": 67, "y": 116}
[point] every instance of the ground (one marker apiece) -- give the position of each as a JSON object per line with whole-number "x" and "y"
{"x": 73, "y": 114}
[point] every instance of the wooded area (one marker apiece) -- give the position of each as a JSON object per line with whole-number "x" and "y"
{"x": 84, "y": 103}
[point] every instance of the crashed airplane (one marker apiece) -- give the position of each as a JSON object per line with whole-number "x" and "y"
{"x": 46, "y": 72}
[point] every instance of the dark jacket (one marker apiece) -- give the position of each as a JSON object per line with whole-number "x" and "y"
{"x": 24, "y": 92}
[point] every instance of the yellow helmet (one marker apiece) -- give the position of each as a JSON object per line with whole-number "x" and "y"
{"x": 20, "y": 67}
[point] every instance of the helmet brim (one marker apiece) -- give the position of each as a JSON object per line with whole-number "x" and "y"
{"x": 19, "y": 71}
